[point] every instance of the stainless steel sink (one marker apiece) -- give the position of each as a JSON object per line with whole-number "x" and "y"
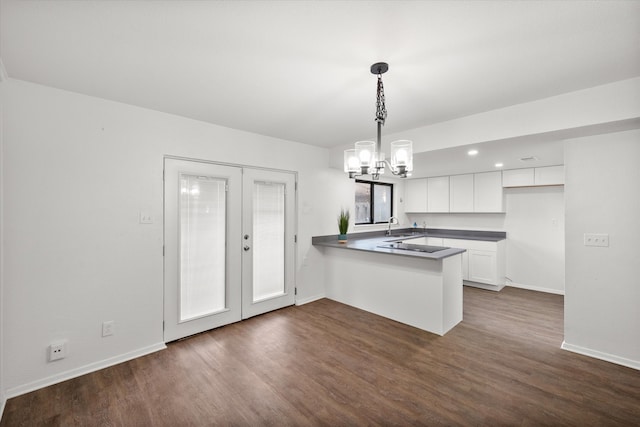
{"x": 415, "y": 248}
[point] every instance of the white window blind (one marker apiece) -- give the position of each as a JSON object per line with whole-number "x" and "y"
{"x": 268, "y": 240}
{"x": 202, "y": 246}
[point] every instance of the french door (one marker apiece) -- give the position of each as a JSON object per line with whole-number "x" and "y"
{"x": 229, "y": 244}
{"x": 268, "y": 218}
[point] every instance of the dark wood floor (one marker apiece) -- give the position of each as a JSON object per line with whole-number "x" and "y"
{"x": 325, "y": 363}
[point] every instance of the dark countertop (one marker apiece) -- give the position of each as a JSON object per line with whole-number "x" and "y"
{"x": 369, "y": 241}
{"x": 486, "y": 236}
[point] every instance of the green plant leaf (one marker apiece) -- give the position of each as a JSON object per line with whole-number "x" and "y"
{"x": 343, "y": 221}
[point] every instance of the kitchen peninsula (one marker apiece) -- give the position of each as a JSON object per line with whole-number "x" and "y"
{"x": 421, "y": 289}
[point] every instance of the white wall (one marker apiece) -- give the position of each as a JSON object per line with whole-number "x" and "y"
{"x": 2, "y": 395}
{"x": 77, "y": 172}
{"x": 534, "y": 222}
{"x": 602, "y": 195}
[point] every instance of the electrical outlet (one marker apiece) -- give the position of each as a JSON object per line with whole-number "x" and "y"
{"x": 108, "y": 328}
{"x": 591, "y": 239}
{"x": 57, "y": 351}
{"x": 146, "y": 218}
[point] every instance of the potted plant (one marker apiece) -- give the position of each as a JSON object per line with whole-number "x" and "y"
{"x": 343, "y": 225}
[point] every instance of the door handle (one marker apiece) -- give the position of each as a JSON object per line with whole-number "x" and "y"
{"x": 246, "y": 248}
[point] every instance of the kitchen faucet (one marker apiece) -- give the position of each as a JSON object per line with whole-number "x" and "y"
{"x": 391, "y": 222}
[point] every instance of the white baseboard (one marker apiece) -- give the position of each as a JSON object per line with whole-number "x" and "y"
{"x": 308, "y": 300}
{"x": 494, "y": 288}
{"x": 86, "y": 369}
{"x": 600, "y": 355}
{"x": 536, "y": 288}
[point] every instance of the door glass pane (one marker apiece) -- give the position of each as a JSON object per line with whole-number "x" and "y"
{"x": 202, "y": 246}
{"x": 382, "y": 203}
{"x": 363, "y": 203}
{"x": 268, "y": 240}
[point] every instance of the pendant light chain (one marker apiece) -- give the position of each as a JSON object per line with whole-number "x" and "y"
{"x": 381, "y": 109}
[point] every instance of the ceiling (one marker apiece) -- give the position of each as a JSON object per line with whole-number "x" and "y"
{"x": 300, "y": 70}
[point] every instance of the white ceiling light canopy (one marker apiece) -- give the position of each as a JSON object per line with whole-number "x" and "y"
{"x": 367, "y": 157}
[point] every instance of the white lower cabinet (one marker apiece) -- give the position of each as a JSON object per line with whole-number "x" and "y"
{"x": 435, "y": 241}
{"x": 483, "y": 264}
{"x": 430, "y": 241}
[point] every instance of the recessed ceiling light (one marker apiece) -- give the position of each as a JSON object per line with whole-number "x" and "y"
{"x": 472, "y": 152}
{"x": 499, "y": 165}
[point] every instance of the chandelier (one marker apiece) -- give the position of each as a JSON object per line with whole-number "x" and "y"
{"x": 367, "y": 158}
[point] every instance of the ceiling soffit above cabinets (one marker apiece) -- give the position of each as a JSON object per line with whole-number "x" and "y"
{"x": 540, "y": 150}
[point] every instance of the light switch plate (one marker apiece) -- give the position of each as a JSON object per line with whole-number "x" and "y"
{"x": 108, "y": 328}
{"x": 591, "y": 239}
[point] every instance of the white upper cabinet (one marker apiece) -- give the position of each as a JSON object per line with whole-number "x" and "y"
{"x": 532, "y": 177}
{"x": 487, "y": 192}
{"x": 438, "y": 194}
{"x": 415, "y": 195}
{"x": 461, "y": 193}
{"x": 518, "y": 177}
{"x": 550, "y": 175}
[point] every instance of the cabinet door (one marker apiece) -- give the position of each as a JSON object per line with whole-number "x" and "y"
{"x": 415, "y": 195}
{"x": 438, "y": 194}
{"x": 461, "y": 193}
{"x": 518, "y": 178}
{"x": 482, "y": 266}
{"x": 487, "y": 192}
{"x": 550, "y": 175}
